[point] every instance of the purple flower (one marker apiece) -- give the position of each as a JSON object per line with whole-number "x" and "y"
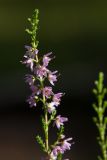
{"x": 51, "y": 107}
{"x": 57, "y": 98}
{"x": 66, "y": 145}
{"x": 47, "y": 92}
{"x": 52, "y": 77}
{"x": 57, "y": 150}
{"x": 30, "y": 52}
{"x": 29, "y": 57}
{"x": 28, "y": 62}
{"x": 59, "y": 121}
{"x": 30, "y": 79}
{"x": 46, "y": 59}
{"x": 35, "y": 90}
{"x": 29, "y": 48}
{"x": 41, "y": 71}
{"x": 31, "y": 101}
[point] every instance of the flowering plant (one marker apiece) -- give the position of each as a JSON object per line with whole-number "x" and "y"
{"x": 41, "y": 82}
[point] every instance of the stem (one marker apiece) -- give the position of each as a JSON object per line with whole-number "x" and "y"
{"x": 100, "y": 109}
{"x": 46, "y": 120}
{"x": 46, "y": 131}
{"x": 34, "y": 27}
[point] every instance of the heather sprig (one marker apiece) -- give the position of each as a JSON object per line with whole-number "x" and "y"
{"x": 43, "y": 92}
{"x": 100, "y": 120}
{"x": 33, "y": 30}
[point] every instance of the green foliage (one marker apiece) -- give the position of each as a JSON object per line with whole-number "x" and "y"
{"x": 43, "y": 123}
{"x": 41, "y": 143}
{"x": 101, "y": 120}
{"x": 52, "y": 116}
{"x": 61, "y": 131}
{"x": 59, "y": 156}
{"x": 34, "y": 26}
{"x": 59, "y": 136}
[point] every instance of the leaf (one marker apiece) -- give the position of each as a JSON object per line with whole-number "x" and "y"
{"x": 95, "y": 107}
{"x": 41, "y": 143}
{"x": 59, "y": 156}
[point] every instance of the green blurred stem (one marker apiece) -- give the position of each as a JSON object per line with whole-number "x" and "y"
{"x": 100, "y": 120}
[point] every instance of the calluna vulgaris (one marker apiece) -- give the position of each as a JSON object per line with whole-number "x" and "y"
{"x": 41, "y": 82}
{"x": 100, "y": 107}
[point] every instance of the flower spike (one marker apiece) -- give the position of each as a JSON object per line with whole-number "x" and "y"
{"x": 41, "y": 82}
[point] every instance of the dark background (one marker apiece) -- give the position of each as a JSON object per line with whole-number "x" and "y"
{"x": 76, "y": 32}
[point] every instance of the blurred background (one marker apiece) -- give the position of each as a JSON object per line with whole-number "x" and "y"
{"x": 76, "y": 32}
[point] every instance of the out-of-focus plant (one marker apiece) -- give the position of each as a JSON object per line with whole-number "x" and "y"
{"x": 100, "y": 119}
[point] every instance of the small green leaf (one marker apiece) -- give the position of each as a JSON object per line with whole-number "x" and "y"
{"x": 95, "y": 91}
{"x": 28, "y": 31}
{"x": 59, "y": 156}
{"x": 41, "y": 143}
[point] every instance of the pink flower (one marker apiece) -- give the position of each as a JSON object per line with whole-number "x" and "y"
{"x": 52, "y": 77}
{"x": 66, "y": 145}
{"x": 57, "y": 150}
{"x": 59, "y": 121}
{"x": 30, "y": 79}
{"x": 28, "y": 62}
{"x": 41, "y": 71}
{"x": 47, "y": 92}
{"x": 57, "y": 98}
{"x": 46, "y": 59}
{"x": 35, "y": 90}
{"x": 51, "y": 107}
{"x": 29, "y": 57}
{"x": 31, "y": 101}
{"x": 30, "y": 52}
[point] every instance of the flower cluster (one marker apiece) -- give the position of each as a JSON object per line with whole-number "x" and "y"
{"x": 40, "y": 92}
{"x": 61, "y": 148}
{"x": 39, "y": 73}
{"x": 41, "y": 82}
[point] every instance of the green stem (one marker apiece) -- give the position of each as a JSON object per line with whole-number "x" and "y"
{"x": 46, "y": 131}
{"x": 34, "y": 27}
{"x": 46, "y": 120}
{"x": 100, "y": 107}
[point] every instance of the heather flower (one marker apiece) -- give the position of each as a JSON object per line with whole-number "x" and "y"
{"x": 47, "y": 92}
{"x": 59, "y": 121}
{"x": 52, "y": 77}
{"x": 29, "y": 48}
{"x": 35, "y": 90}
{"x": 30, "y": 79}
{"x": 40, "y": 92}
{"x": 51, "y": 107}
{"x": 41, "y": 71}
{"x": 46, "y": 59}
{"x": 65, "y": 144}
{"x": 57, "y": 98}
{"x": 31, "y": 101}
{"x": 29, "y": 57}
{"x": 28, "y": 62}
{"x": 57, "y": 150}
{"x": 30, "y": 52}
